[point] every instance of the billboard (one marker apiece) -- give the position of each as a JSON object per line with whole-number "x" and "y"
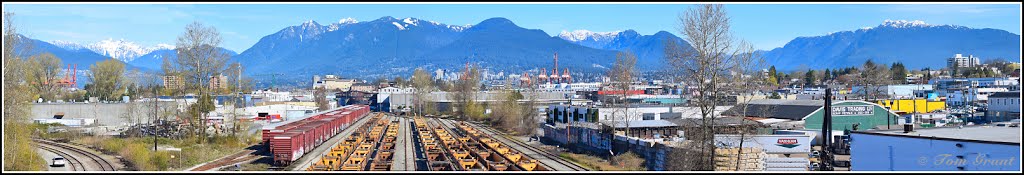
{"x": 848, "y": 110}
{"x": 772, "y": 144}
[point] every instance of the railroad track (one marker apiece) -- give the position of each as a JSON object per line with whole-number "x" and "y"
{"x": 60, "y": 148}
{"x": 71, "y": 161}
{"x": 228, "y": 160}
{"x": 495, "y": 159}
{"x": 546, "y": 154}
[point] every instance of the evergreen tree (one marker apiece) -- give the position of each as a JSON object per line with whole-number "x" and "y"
{"x": 809, "y": 78}
{"x": 899, "y": 72}
{"x": 828, "y": 75}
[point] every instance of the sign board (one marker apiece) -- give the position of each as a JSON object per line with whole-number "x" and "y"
{"x": 772, "y": 144}
{"x": 853, "y": 110}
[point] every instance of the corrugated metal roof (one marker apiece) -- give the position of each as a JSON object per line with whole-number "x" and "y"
{"x": 776, "y": 108}
{"x": 719, "y": 121}
{"x": 640, "y": 124}
{"x": 1005, "y": 94}
{"x": 979, "y": 133}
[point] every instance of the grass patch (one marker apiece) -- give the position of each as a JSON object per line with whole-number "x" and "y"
{"x": 19, "y": 154}
{"x": 626, "y": 162}
{"x": 255, "y": 167}
{"x": 140, "y": 154}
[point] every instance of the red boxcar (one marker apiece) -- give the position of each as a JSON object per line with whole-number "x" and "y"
{"x": 290, "y": 141}
{"x": 288, "y": 147}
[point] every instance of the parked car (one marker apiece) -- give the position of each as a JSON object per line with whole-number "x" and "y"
{"x": 58, "y": 161}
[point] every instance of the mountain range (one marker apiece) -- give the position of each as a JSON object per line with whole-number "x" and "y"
{"x": 388, "y": 46}
{"x": 398, "y": 46}
{"x": 914, "y": 43}
{"x": 133, "y": 55}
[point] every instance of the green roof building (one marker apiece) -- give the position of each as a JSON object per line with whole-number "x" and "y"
{"x": 845, "y": 113}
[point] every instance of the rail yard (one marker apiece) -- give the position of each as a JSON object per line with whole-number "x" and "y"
{"x": 351, "y": 138}
{"x": 401, "y": 143}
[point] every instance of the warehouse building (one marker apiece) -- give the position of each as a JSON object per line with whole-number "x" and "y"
{"x": 974, "y": 148}
{"x": 913, "y": 105}
{"x": 810, "y": 113}
{"x": 1003, "y": 106}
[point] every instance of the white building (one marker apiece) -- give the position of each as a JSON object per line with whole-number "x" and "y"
{"x": 1004, "y": 106}
{"x": 568, "y": 87}
{"x": 635, "y": 113}
{"x": 271, "y": 96}
{"x": 958, "y": 61}
{"x": 394, "y": 90}
{"x": 964, "y": 97}
{"x": 332, "y": 82}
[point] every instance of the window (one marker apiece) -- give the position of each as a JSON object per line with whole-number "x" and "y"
{"x": 648, "y": 116}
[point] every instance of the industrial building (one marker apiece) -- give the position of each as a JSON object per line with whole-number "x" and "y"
{"x": 1003, "y": 106}
{"x": 893, "y": 91}
{"x": 782, "y": 152}
{"x": 971, "y": 96}
{"x": 950, "y": 85}
{"x": 913, "y": 105}
{"x": 333, "y": 82}
{"x": 971, "y": 148}
{"x": 809, "y": 113}
{"x": 364, "y": 87}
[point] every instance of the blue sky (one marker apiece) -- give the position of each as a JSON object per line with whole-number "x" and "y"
{"x": 765, "y": 25}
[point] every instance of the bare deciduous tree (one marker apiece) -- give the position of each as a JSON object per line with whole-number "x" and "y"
{"x": 622, "y": 73}
{"x": 199, "y": 58}
{"x": 706, "y": 66}
{"x": 872, "y": 78}
{"x": 464, "y": 95}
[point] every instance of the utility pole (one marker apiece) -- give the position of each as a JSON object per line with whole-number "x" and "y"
{"x": 156, "y": 113}
{"x": 888, "y": 116}
{"x": 234, "y": 109}
{"x": 826, "y": 134}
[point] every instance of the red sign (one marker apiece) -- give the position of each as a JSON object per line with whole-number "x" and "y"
{"x": 787, "y": 141}
{"x": 631, "y": 92}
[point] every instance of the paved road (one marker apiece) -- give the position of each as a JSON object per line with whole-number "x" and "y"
{"x": 48, "y": 156}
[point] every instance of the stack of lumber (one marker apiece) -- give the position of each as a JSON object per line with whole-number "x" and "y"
{"x": 751, "y": 159}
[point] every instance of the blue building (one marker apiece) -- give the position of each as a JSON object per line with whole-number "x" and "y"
{"x": 973, "y": 148}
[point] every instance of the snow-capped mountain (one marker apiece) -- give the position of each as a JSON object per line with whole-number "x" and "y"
{"x": 581, "y": 35}
{"x": 84, "y": 56}
{"x": 361, "y": 48}
{"x": 120, "y": 49}
{"x": 915, "y": 43}
{"x": 68, "y": 45}
{"x": 649, "y": 49}
{"x": 342, "y": 22}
